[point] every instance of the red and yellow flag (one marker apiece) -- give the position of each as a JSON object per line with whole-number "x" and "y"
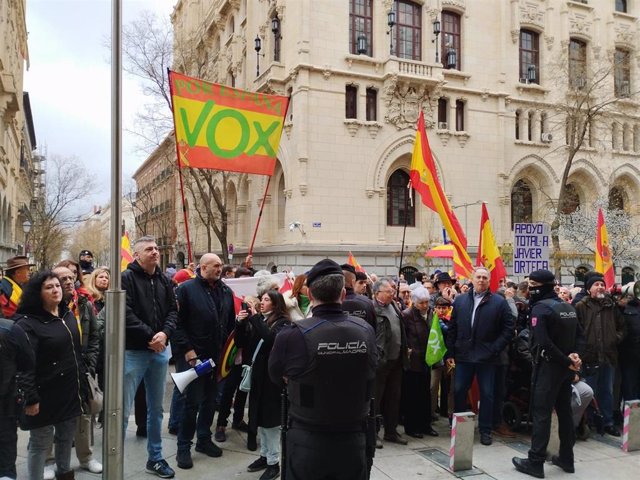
{"x": 604, "y": 260}
{"x": 224, "y": 128}
{"x": 488, "y": 253}
{"x": 125, "y": 252}
{"x": 424, "y": 178}
{"x": 354, "y": 263}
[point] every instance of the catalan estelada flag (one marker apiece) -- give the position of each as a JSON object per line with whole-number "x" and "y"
{"x": 424, "y": 178}
{"x": 125, "y": 252}
{"x": 354, "y": 263}
{"x": 604, "y": 260}
{"x": 488, "y": 253}
{"x": 224, "y": 128}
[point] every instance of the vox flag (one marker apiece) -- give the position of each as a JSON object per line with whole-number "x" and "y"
{"x": 125, "y": 252}
{"x": 604, "y": 260}
{"x": 435, "y": 346}
{"x": 224, "y": 128}
{"x": 488, "y": 253}
{"x": 424, "y": 178}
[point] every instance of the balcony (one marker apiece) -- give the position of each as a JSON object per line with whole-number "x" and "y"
{"x": 412, "y": 70}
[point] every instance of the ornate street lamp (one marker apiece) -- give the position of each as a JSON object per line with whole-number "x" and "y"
{"x": 362, "y": 45}
{"x": 452, "y": 58}
{"x": 436, "y": 33}
{"x": 257, "y": 48}
{"x": 531, "y": 74}
{"x": 26, "y": 228}
{"x": 391, "y": 21}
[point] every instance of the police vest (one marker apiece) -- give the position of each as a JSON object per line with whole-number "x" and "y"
{"x": 7, "y": 359}
{"x": 333, "y": 393}
{"x": 564, "y": 325}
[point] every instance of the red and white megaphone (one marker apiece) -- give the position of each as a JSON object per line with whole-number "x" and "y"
{"x": 183, "y": 379}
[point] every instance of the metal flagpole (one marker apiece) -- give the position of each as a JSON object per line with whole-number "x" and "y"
{"x": 112, "y": 449}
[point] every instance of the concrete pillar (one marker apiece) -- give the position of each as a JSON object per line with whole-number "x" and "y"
{"x": 461, "y": 450}
{"x": 631, "y": 426}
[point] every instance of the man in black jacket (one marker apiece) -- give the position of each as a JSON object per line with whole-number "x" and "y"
{"x": 151, "y": 316}
{"x": 480, "y": 328}
{"x": 353, "y": 303}
{"x": 205, "y": 318}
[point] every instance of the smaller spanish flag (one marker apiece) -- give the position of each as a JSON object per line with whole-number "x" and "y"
{"x": 354, "y": 263}
{"x": 604, "y": 259}
{"x": 125, "y": 252}
{"x": 488, "y": 252}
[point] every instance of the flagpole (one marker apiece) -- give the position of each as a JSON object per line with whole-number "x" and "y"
{"x": 255, "y": 231}
{"x": 404, "y": 231}
{"x": 184, "y": 212}
{"x": 113, "y": 439}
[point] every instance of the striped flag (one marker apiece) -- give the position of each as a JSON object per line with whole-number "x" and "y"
{"x": 488, "y": 253}
{"x": 424, "y": 178}
{"x": 604, "y": 260}
{"x": 354, "y": 263}
{"x": 125, "y": 252}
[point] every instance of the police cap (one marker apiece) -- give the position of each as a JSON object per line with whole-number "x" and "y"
{"x": 542, "y": 276}
{"x": 321, "y": 269}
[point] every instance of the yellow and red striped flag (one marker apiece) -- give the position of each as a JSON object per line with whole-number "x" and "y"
{"x": 224, "y": 128}
{"x": 488, "y": 253}
{"x": 354, "y": 263}
{"x": 424, "y": 178}
{"x": 604, "y": 260}
{"x": 125, "y": 252}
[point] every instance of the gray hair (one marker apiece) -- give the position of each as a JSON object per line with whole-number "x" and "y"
{"x": 378, "y": 284}
{"x": 327, "y": 289}
{"x": 144, "y": 239}
{"x": 419, "y": 294}
{"x": 266, "y": 283}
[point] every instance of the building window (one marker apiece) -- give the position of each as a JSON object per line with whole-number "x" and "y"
{"x": 351, "y": 101}
{"x": 521, "y": 203}
{"x": 616, "y": 199}
{"x": 360, "y": 20}
{"x": 621, "y": 6}
{"x": 451, "y": 38}
{"x": 543, "y": 122}
{"x": 577, "y": 63}
{"x": 518, "y": 118}
{"x": 443, "y": 113}
{"x": 571, "y": 199}
{"x": 399, "y": 208}
{"x": 622, "y": 73}
{"x": 529, "y": 57}
{"x": 408, "y": 30}
{"x": 277, "y": 37}
{"x": 282, "y": 203}
{"x": 530, "y": 126}
{"x": 290, "y": 107}
{"x": 459, "y": 116}
{"x": 372, "y": 104}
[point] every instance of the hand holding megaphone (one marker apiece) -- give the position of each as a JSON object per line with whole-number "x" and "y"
{"x": 182, "y": 379}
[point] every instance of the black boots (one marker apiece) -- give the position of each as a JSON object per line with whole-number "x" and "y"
{"x": 524, "y": 465}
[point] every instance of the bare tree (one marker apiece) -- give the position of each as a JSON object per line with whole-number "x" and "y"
{"x": 91, "y": 235}
{"x": 68, "y": 183}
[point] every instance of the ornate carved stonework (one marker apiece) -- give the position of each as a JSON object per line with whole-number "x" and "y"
{"x": 625, "y": 35}
{"x": 580, "y": 24}
{"x": 515, "y": 35}
{"x": 303, "y": 189}
{"x": 287, "y": 129}
{"x": 288, "y": 192}
{"x": 531, "y": 13}
{"x": 373, "y": 128}
{"x": 353, "y": 126}
{"x": 549, "y": 39}
{"x": 458, "y": 5}
{"x": 462, "y": 138}
{"x": 387, "y": 5}
{"x": 326, "y": 72}
{"x": 444, "y": 135}
{"x": 404, "y": 104}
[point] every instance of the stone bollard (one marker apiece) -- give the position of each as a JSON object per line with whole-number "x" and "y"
{"x": 461, "y": 450}
{"x": 554, "y": 437}
{"x": 631, "y": 426}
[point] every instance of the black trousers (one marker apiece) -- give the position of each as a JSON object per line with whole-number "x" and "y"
{"x": 230, "y": 388}
{"x": 8, "y": 448}
{"x": 326, "y": 455}
{"x": 551, "y": 388}
{"x": 140, "y": 407}
{"x": 416, "y": 401}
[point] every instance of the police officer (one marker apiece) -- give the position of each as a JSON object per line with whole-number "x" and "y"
{"x": 15, "y": 355}
{"x": 556, "y": 337}
{"x": 355, "y": 304}
{"x": 328, "y": 362}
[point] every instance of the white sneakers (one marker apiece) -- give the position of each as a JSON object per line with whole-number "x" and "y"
{"x": 49, "y": 473}
{"x": 92, "y": 465}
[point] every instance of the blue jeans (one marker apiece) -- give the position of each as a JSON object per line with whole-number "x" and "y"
{"x": 602, "y": 384}
{"x": 139, "y": 364}
{"x": 40, "y": 440}
{"x": 270, "y": 444}
{"x": 177, "y": 409}
{"x": 486, "y": 374}
{"x": 199, "y": 408}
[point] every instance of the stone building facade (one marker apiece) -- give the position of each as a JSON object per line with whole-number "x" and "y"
{"x": 21, "y": 169}
{"x": 498, "y": 84}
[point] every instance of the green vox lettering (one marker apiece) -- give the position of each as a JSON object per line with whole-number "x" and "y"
{"x": 263, "y": 139}
{"x": 244, "y": 135}
{"x": 192, "y": 135}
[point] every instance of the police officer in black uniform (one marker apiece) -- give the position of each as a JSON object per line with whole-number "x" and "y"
{"x": 556, "y": 337}
{"x": 329, "y": 363}
{"x": 15, "y": 355}
{"x": 353, "y": 303}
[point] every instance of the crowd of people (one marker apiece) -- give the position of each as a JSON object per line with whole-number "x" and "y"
{"x": 522, "y": 337}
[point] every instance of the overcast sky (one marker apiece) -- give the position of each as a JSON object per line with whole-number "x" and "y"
{"x": 69, "y": 83}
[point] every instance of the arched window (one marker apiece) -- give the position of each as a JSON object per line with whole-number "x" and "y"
{"x": 518, "y": 116}
{"x": 521, "y": 203}
{"x": 450, "y": 38}
{"x": 399, "y": 209}
{"x": 628, "y": 275}
{"x": 571, "y": 199}
{"x": 408, "y": 30}
{"x": 281, "y": 202}
{"x": 616, "y": 199}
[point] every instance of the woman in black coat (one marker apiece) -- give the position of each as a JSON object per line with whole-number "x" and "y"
{"x": 264, "y": 397}
{"x": 416, "y": 381}
{"x": 53, "y": 389}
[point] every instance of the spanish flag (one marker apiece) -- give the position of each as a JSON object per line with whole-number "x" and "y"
{"x": 125, "y": 252}
{"x": 488, "y": 253}
{"x": 604, "y": 260}
{"x": 354, "y": 263}
{"x": 424, "y": 178}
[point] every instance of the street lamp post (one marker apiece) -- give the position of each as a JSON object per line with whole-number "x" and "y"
{"x": 26, "y": 228}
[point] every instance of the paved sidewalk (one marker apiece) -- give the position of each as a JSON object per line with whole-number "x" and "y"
{"x": 597, "y": 458}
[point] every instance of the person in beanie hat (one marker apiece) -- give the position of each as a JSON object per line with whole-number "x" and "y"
{"x": 86, "y": 262}
{"x": 556, "y": 337}
{"x": 16, "y": 274}
{"x": 603, "y": 325}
